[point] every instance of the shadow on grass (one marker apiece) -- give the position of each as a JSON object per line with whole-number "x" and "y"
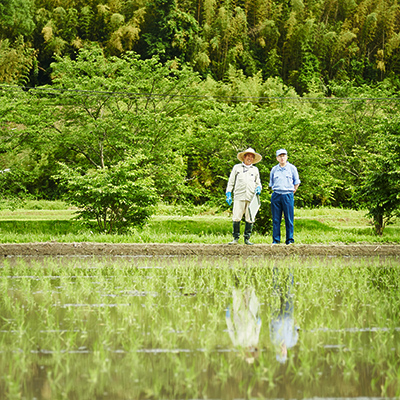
{"x": 194, "y": 227}
{"x": 312, "y": 226}
{"x": 58, "y": 227}
{"x": 41, "y": 227}
{"x": 223, "y": 227}
{"x": 307, "y": 225}
{"x": 219, "y": 227}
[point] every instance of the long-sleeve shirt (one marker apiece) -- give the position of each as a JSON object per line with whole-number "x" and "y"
{"x": 243, "y": 181}
{"x": 283, "y": 179}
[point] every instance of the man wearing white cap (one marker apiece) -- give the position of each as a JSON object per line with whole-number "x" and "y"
{"x": 245, "y": 182}
{"x": 284, "y": 181}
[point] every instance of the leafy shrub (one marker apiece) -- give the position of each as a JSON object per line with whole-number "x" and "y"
{"x": 12, "y": 189}
{"x": 116, "y": 197}
{"x": 379, "y": 192}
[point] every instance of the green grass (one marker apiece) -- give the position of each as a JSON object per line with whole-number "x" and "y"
{"x": 54, "y": 221}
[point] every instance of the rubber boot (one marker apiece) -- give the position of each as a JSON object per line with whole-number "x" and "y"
{"x": 236, "y": 232}
{"x": 247, "y": 233}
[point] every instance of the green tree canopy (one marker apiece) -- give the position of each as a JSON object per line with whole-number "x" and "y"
{"x": 98, "y": 110}
{"x": 16, "y": 18}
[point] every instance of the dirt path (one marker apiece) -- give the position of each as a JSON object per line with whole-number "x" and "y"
{"x": 182, "y": 249}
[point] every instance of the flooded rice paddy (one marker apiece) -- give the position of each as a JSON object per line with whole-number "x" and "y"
{"x": 199, "y": 328}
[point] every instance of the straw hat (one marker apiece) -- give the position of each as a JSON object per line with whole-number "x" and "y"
{"x": 257, "y": 157}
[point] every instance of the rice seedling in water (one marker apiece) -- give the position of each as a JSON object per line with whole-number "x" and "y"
{"x": 167, "y": 327}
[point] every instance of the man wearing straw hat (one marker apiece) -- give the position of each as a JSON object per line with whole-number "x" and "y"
{"x": 245, "y": 182}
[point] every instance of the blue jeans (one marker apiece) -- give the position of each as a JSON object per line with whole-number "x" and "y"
{"x": 282, "y": 203}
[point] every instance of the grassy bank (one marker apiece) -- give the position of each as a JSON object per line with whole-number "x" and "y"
{"x": 40, "y": 221}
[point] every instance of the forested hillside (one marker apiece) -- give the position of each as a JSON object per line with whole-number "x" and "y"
{"x": 306, "y": 43}
{"x": 163, "y": 94}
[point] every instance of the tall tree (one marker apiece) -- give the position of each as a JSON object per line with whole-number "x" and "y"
{"x": 228, "y": 39}
{"x": 168, "y": 32}
{"x": 16, "y": 61}
{"x": 17, "y": 57}
{"x": 119, "y": 105}
{"x": 16, "y": 18}
{"x": 380, "y": 185}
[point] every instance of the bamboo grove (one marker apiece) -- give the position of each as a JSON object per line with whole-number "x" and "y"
{"x": 305, "y": 43}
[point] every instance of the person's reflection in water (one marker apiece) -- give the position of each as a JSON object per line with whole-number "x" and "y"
{"x": 284, "y": 332}
{"x": 243, "y": 321}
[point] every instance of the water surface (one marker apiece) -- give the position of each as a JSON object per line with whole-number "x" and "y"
{"x": 191, "y": 328}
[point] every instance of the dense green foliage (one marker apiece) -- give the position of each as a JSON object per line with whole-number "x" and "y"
{"x": 116, "y": 198}
{"x": 101, "y": 111}
{"x": 306, "y": 43}
{"x": 189, "y": 84}
{"x": 381, "y": 187}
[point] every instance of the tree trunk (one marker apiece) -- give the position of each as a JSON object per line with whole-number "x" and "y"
{"x": 378, "y": 222}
